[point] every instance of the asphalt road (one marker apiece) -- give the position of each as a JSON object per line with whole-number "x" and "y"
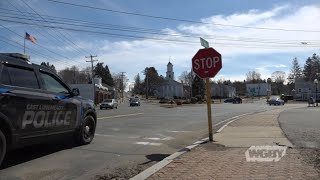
{"x": 127, "y": 140}
{"x": 302, "y": 126}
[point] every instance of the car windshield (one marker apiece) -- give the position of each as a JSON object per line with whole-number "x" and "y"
{"x": 224, "y": 83}
{"x": 274, "y": 97}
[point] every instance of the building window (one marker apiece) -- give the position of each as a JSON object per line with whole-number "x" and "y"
{"x": 299, "y": 90}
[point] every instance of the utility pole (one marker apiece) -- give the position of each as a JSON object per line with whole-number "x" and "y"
{"x": 147, "y": 93}
{"x": 93, "y": 83}
{"x": 122, "y": 88}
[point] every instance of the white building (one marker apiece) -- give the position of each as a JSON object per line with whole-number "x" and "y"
{"x": 170, "y": 88}
{"x": 305, "y": 89}
{"x": 222, "y": 90}
{"x": 102, "y": 92}
{"x": 258, "y": 89}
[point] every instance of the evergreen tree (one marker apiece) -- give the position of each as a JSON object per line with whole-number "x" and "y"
{"x": 311, "y": 68}
{"x": 104, "y": 73}
{"x": 296, "y": 71}
{"x": 109, "y": 80}
{"x": 198, "y": 87}
{"x": 50, "y": 66}
{"x": 153, "y": 78}
{"x": 137, "y": 85}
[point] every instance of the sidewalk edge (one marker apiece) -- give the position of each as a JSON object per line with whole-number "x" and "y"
{"x": 153, "y": 169}
{"x": 156, "y": 167}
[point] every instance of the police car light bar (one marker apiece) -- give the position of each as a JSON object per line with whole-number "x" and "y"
{"x": 20, "y": 56}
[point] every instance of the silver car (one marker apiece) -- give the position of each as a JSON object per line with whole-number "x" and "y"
{"x": 275, "y": 101}
{"x": 109, "y": 103}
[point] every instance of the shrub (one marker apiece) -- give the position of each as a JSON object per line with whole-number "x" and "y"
{"x": 186, "y": 102}
{"x": 163, "y": 101}
{"x": 193, "y": 100}
{"x": 178, "y": 102}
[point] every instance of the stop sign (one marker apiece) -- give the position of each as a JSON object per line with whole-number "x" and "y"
{"x": 206, "y": 63}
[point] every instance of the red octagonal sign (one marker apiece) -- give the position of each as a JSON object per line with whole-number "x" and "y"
{"x": 206, "y": 63}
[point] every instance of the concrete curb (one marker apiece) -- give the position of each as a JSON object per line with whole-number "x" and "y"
{"x": 153, "y": 169}
{"x": 156, "y": 167}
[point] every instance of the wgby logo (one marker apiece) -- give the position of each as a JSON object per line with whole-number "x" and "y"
{"x": 265, "y": 153}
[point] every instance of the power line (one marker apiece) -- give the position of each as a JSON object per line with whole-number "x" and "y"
{"x": 34, "y": 51}
{"x": 38, "y": 31}
{"x": 41, "y": 34}
{"x": 89, "y": 24}
{"x": 164, "y": 34}
{"x": 62, "y": 35}
{"x": 180, "y": 20}
{"x": 154, "y": 38}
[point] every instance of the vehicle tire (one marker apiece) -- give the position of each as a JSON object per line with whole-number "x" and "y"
{"x": 3, "y": 146}
{"x": 101, "y": 108}
{"x": 116, "y": 107}
{"x": 269, "y": 104}
{"x": 86, "y": 131}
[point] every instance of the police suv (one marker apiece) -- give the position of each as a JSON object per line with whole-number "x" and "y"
{"x": 37, "y": 106}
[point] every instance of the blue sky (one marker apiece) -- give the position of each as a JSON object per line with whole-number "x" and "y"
{"x": 241, "y": 48}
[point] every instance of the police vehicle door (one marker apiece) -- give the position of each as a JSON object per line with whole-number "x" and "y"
{"x": 21, "y": 97}
{"x": 63, "y": 107}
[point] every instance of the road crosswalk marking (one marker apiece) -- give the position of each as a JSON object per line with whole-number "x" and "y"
{"x": 117, "y": 116}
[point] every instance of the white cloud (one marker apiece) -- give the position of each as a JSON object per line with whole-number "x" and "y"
{"x": 280, "y": 66}
{"x": 133, "y": 56}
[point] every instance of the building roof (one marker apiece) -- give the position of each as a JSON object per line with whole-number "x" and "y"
{"x": 169, "y": 63}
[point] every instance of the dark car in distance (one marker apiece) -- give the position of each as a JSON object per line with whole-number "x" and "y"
{"x": 234, "y": 100}
{"x": 134, "y": 101}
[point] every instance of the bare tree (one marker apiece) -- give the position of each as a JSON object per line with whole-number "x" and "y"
{"x": 73, "y": 75}
{"x": 120, "y": 82}
{"x": 186, "y": 77}
{"x": 279, "y": 77}
{"x": 253, "y": 77}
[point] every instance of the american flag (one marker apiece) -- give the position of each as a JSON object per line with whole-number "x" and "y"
{"x": 31, "y": 38}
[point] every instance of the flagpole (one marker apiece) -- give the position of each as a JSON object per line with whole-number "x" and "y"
{"x": 24, "y": 43}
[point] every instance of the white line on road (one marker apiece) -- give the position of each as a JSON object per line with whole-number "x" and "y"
{"x": 104, "y": 135}
{"x": 179, "y": 131}
{"x": 235, "y": 117}
{"x": 117, "y": 116}
{"x": 148, "y": 143}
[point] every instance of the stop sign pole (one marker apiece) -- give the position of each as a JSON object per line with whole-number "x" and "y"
{"x": 206, "y": 63}
{"x": 208, "y": 94}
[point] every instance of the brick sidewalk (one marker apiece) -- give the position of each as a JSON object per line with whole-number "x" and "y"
{"x": 211, "y": 162}
{"x": 216, "y": 161}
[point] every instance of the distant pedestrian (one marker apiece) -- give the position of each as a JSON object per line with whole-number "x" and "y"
{"x": 311, "y": 101}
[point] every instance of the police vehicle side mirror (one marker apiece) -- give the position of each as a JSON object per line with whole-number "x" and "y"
{"x": 75, "y": 92}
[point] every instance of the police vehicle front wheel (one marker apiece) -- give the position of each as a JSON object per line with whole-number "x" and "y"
{"x": 86, "y": 133}
{"x": 3, "y": 146}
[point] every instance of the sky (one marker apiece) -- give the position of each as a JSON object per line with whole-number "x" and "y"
{"x": 128, "y": 36}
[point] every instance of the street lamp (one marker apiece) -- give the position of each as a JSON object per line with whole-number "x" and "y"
{"x": 316, "y": 83}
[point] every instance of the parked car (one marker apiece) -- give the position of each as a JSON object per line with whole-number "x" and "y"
{"x": 37, "y": 106}
{"x": 275, "y": 100}
{"x": 229, "y": 100}
{"x": 237, "y": 100}
{"x": 134, "y": 102}
{"x": 109, "y": 103}
{"x": 234, "y": 100}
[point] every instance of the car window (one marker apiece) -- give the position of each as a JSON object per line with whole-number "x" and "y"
{"x": 107, "y": 100}
{"x": 23, "y": 77}
{"x": 4, "y": 77}
{"x": 52, "y": 84}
